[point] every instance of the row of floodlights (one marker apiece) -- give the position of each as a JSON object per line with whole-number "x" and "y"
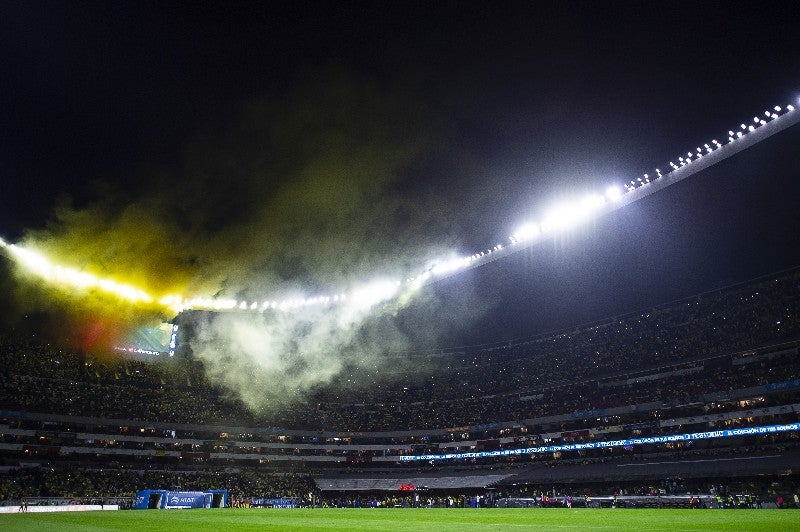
{"x": 561, "y": 217}
{"x": 362, "y": 297}
{"x": 569, "y": 214}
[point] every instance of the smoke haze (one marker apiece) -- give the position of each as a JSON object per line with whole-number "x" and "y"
{"x": 302, "y": 196}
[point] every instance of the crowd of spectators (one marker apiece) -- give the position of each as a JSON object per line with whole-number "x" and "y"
{"x": 728, "y": 321}
{"x": 546, "y": 375}
{"x": 173, "y": 404}
{"x": 48, "y": 379}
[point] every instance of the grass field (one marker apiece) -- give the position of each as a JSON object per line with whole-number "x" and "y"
{"x": 438, "y": 520}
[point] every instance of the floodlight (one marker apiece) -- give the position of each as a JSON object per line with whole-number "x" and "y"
{"x": 566, "y": 214}
{"x": 448, "y": 266}
{"x": 613, "y": 193}
{"x": 592, "y": 202}
{"x": 374, "y": 293}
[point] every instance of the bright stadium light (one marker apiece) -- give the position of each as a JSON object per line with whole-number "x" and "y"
{"x": 562, "y": 216}
{"x": 172, "y": 301}
{"x": 589, "y": 204}
{"x": 613, "y": 193}
{"x": 374, "y": 293}
{"x": 39, "y": 265}
{"x": 526, "y": 231}
{"x": 449, "y": 266}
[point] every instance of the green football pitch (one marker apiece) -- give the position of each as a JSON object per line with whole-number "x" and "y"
{"x": 438, "y": 520}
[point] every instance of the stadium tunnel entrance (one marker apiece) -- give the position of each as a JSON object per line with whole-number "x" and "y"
{"x": 155, "y": 500}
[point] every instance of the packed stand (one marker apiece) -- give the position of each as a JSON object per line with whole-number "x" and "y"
{"x": 548, "y": 375}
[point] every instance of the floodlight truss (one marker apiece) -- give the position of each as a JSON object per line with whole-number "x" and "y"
{"x": 565, "y": 217}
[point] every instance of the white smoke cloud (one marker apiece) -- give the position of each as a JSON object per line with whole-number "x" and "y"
{"x": 270, "y": 360}
{"x": 299, "y": 195}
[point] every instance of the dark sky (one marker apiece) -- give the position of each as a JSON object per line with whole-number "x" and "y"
{"x": 496, "y": 111}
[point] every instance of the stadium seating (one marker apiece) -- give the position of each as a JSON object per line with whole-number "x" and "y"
{"x": 78, "y": 425}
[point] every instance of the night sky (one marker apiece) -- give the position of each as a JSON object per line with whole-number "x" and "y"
{"x": 241, "y": 147}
